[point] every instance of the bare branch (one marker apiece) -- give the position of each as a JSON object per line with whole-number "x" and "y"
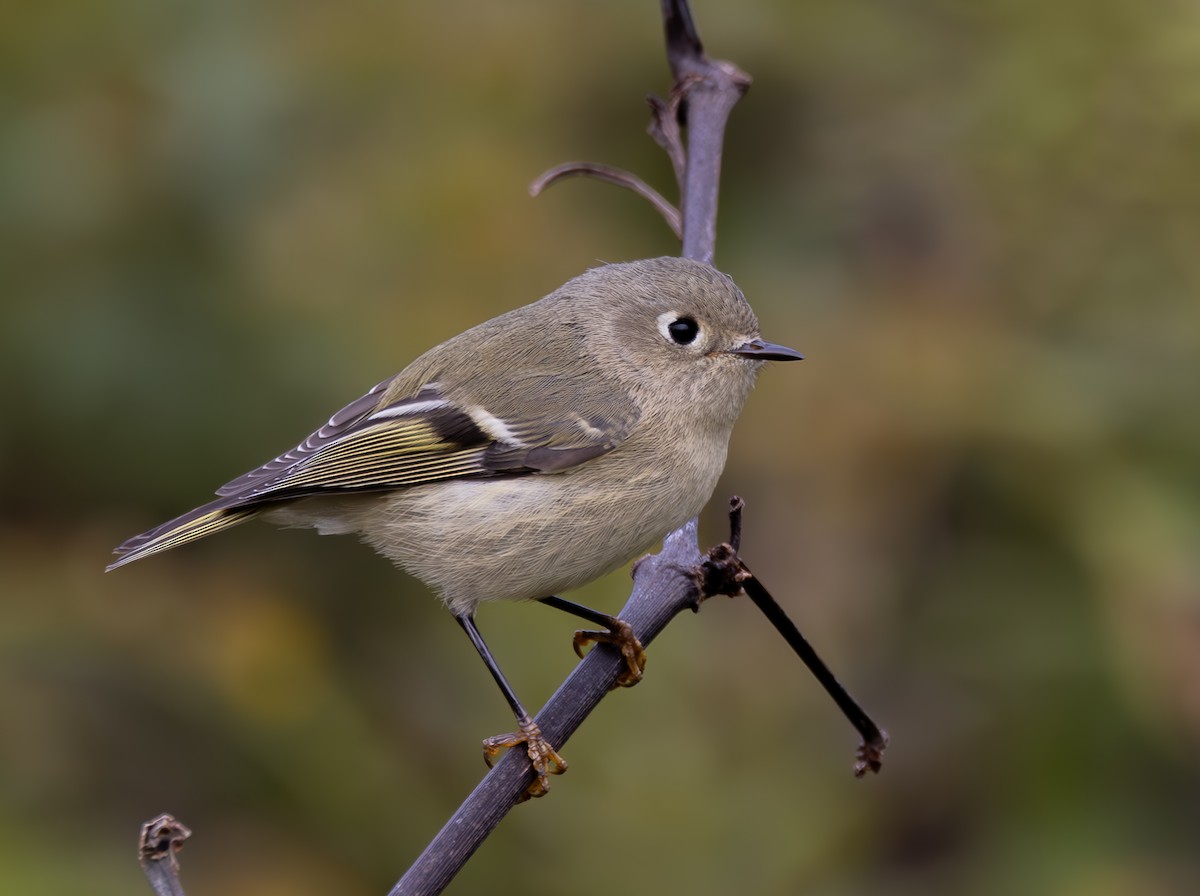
{"x": 710, "y": 89}
{"x": 618, "y": 176}
{"x": 160, "y": 839}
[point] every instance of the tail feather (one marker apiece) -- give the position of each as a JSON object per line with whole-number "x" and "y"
{"x": 212, "y": 517}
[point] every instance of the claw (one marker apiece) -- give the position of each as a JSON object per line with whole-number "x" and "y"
{"x": 620, "y": 634}
{"x": 542, "y": 756}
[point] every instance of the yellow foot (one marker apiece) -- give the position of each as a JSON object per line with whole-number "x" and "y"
{"x": 620, "y": 634}
{"x": 542, "y": 756}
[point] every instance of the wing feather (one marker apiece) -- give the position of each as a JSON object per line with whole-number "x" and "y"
{"x": 408, "y": 432}
{"x": 339, "y": 423}
{"x": 374, "y": 444}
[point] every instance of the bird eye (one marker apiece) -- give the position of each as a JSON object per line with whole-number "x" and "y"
{"x": 683, "y": 330}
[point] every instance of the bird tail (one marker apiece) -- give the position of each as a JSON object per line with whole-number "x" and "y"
{"x": 212, "y": 517}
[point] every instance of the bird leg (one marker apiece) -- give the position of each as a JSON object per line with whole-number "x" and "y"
{"x": 542, "y": 756}
{"x": 619, "y": 633}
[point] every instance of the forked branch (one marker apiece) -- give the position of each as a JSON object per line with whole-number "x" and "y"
{"x": 704, "y": 93}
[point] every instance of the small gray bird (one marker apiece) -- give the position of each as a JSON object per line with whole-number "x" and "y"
{"x": 528, "y": 455}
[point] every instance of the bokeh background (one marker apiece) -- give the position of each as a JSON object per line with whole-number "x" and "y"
{"x": 979, "y": 496}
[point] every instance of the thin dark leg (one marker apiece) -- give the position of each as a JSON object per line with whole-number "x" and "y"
{"x": 542, "y": 756}
{"x": 468, "y": 624}
{"x": 620, "y": 635}
{"x": 593, "y": 616}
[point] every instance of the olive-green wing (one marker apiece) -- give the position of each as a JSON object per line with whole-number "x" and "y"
{"x": 375, "y": 444}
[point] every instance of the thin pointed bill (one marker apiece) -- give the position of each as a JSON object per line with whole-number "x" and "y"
{"x": 759, "y": 350}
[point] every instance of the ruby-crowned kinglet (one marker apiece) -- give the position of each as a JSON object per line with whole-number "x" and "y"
{"x": 530, "y": 454}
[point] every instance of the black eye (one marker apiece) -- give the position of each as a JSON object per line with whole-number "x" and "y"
{"x": 683, "y": 330}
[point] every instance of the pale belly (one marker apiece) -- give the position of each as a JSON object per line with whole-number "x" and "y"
{"x": 517, "y": 538}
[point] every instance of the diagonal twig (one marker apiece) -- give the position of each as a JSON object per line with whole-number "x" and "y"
{"x": 724, "y": 572}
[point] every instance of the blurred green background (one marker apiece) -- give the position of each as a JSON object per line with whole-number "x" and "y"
{"x": 979, "y": 496}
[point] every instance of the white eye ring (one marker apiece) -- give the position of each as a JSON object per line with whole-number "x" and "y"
{"x": 678, "y": 329}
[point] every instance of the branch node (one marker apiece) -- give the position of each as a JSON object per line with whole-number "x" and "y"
{"x": 159, "y": 841}
{"x": 722, "y": 570}
{"x": 870, "y": 755}
{"x": 665, "y": 127}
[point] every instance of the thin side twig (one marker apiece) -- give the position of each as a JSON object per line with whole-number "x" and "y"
{"x": 724, "y": 572}
{"x": 618, "y": 176}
